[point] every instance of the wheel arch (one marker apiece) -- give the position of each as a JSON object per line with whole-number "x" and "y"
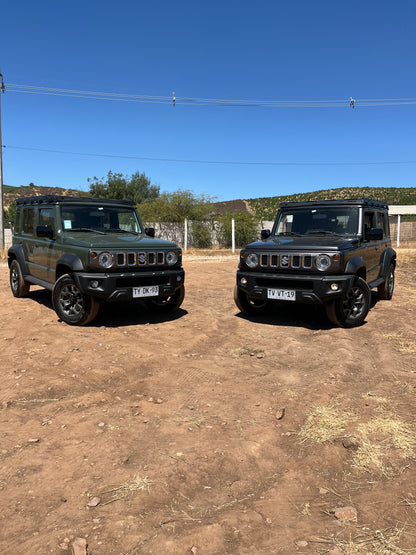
{"x": 16, "y": 253}
{"x": 67, "y": 264}
{"x": 356, "y": 266}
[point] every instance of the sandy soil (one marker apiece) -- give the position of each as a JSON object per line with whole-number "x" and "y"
{"x": 208, "y": 432}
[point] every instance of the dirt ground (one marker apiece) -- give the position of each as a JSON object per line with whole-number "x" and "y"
{"x": 208, "y": 432}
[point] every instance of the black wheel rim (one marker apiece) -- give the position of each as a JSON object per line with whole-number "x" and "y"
{"x": 354, "y": 303}
{"x": 390, "y": 282}
{"x": 14, "y": 279}
{"x": 71, "y": 300}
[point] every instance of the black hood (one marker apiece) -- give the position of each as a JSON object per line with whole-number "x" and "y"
{"x": 304, "y": 243}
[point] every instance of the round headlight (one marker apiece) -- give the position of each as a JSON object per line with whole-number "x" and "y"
{"x": 106, "y": 259}
{"x": 323, "y": 262}
{"x": 171, "y": 258}
{"x": 252, "y": 260}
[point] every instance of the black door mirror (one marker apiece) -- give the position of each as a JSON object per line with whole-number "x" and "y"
{"x": 44, "y": 231}
{"x": 375, "y": 234}
{"x": 265, "y": 233}
{"x": 150, "y": 231}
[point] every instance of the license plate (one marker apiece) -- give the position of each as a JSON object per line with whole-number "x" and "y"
{"x": 151, "y": 291}
{"x": 281, "y": 294}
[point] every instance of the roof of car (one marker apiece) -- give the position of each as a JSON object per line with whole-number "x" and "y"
{"x": 367, "y": 202}
{"x": 55, "y": 199}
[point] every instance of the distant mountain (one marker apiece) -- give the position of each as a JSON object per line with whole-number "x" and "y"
{"x": 265, "y": 208}
{"x": 10, "y": 193}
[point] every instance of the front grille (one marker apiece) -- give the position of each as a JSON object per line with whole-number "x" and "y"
{"x": 139, "y": 259}
{"x": 285, "y": 261}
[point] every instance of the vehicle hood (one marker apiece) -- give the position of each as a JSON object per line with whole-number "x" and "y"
{"x": 305, "y": 243}
{"x": 114, "y": 241}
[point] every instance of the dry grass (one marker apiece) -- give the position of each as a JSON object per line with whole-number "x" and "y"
{"x": 210, "y": 252}
{"x": 244, "y": 351}
{"x": 124, "y": 491}
{"x": 324, "y": 423}
{"x": 404, "y": 345}
{"x": 377, "y": 542}
{"x": 3, "y": 255}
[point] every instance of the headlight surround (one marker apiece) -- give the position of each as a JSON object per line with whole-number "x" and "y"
{"x": 171, "y": 258}
{"x": 106, "y": 260}
{"x": 252, "y": 260}
{"x": 322, "y": 262}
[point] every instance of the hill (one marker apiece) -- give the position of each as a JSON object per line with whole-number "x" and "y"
{"x": 10, "y": 194}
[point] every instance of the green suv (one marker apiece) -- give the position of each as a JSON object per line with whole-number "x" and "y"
{"x": 87, "y": 251}
{"x": 321, "y": 252}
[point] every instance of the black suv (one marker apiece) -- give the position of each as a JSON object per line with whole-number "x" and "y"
{"x": 88, "y": 250}
{"x": 329, "y": 252}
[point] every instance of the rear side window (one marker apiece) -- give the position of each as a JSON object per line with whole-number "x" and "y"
{"x": 46, "y": 217}
{"x": 382, "y": 222}
{"x": 28, "y": 220}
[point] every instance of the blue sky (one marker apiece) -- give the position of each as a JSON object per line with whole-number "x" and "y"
{"x": 265, "y": 50}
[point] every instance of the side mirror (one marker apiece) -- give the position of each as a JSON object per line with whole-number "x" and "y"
{"x": 265, "y": 233}
{"x": 44, "y": 231}
{"x": 150, "y": 231}
{"x": 375, "y": 234}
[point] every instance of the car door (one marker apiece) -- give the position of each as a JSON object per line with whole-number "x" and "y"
{"x": 372, "y": 248}
{"x": 44, "y": 246}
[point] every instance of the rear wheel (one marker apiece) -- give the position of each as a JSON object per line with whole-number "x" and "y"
{"x": 385, "y": 290}
{"x": 249, "y": 305}
{"x": 71, "y": 305}
{"x": 19, "y": 287}
{"x": 167, "y": 304}
{"x": 351, "y": 310}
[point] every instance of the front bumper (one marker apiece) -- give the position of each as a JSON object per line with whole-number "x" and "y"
{"x": 313, "y": 289}
{"x": 119, "y": 286}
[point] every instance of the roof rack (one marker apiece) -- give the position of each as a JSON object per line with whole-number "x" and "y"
{"x": 367, "y": 202}
{"x": 54, "y": 199}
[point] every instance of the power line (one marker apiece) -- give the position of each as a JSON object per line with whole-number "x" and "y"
{"x": 213, "y": 162}
{"x": 175, "y": 100}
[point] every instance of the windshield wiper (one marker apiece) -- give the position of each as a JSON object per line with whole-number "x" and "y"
{"x": 322, "y": 232}
{"x": 86, "y": 229}
{"x": 118, "y": 230}
{"x": 290, "y": 233}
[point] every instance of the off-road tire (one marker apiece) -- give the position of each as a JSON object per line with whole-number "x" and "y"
{"x": 19, "y": 287}
{"x": 249, "y": 305}
{"x": 167, "y": 304}
{"x": 385, "y": 290}
{"x": 351, "y": 310}
{"x": 71, "y": 305}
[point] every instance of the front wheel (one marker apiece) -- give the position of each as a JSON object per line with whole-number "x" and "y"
{"x": 249, "y": 305}
{"x": 350, "y": 310}
{"x": 167, "y": 304}
{"x": 71, "y": 305}
{"x": 385, "y": 290}
{"x": 19, "y": 287}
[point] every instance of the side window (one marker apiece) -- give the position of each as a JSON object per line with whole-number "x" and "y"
{"x": 28, "y": 220}
{"x": 369, "y": 222}
{"x": 46, "y": 217}
{"x": 381, "y": 222}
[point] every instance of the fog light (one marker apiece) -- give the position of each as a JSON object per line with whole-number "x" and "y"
{"x": 94, "y": 283}
{"x": 243, "y": 281}
{"x": 334, "y": 286}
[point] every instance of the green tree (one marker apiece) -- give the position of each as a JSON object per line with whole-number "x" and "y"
{"x": 176, "y": 206}
{"x": 245, "y": 229}
{"x": 137, "y": 187}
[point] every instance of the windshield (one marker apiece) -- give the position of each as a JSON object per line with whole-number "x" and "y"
{"x": 316, "y": 221}
{"x": 100, "y": 218}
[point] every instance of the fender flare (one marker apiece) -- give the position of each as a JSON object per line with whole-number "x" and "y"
{"x": 355, "y": 265}
{"x": 15, "y": 252}
{"x": 70, "y": 261}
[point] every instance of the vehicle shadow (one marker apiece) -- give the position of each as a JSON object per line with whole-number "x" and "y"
{"x": 308, "y": 316}
{"x": 117, "y": 314}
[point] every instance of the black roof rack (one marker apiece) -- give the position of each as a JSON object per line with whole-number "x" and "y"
{"x": 367, "y": 202}
{"x": 54, "y": 199}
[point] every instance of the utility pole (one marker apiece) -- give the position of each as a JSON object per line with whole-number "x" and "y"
{"x": 2, "y": 245}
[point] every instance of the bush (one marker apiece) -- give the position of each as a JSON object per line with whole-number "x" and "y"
{"x": 202, "y": 235}
{"x": 245, "y": 229}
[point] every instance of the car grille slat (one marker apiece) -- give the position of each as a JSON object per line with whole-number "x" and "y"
{"x": 285, "y": 261}
{"x": 139, "y": 259}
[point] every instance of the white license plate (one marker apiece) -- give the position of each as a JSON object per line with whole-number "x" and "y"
{"x": 151, "y": 291}
{"x": 281, "y": 294}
